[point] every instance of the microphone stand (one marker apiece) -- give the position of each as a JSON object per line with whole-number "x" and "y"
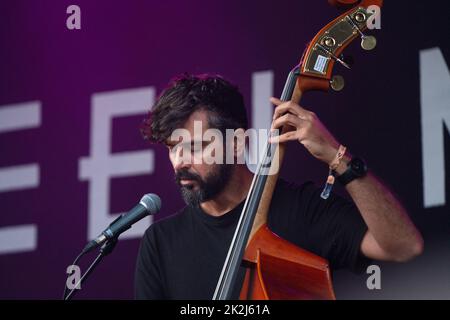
{"x": 105, "y": 249}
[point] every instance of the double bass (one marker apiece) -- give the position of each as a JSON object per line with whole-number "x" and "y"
{"x": 273, "y": 267}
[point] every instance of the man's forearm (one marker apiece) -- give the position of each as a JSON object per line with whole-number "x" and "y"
{"x": 392, "y": 235}
{"x": 387, "y": 220}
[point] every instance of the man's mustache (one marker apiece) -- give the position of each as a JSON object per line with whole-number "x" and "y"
{"x": 184, "y": 174}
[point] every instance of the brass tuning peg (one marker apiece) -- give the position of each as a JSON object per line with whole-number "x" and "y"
{"x": 367, "y": 42}
{"x": 337, "y": 83}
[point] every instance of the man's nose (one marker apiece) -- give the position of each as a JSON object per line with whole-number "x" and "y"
{"x": 180, "y": 160}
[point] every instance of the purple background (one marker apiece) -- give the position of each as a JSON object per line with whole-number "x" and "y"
{"x": 132, "y": 44}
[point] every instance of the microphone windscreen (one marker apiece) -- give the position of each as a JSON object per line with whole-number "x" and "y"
{"x": 152, "y": 202}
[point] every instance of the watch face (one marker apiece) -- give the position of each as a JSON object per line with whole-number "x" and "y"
{"x": 359, "y": 167}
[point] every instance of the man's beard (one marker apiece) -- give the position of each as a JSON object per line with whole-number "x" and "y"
{"x": 206, "y": 188}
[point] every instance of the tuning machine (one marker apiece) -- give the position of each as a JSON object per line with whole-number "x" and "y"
{"x": 367, "y": 42}
{"x": 337, "y": 83}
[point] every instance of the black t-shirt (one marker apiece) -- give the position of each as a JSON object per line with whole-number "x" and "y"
{"x": 181, "y": 257}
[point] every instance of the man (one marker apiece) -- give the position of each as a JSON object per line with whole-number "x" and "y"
{"x": 181, "y": 257}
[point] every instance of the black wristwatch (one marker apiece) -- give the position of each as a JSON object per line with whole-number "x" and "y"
{"x": 356, "y": 168}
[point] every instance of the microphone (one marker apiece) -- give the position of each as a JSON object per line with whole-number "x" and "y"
{"x": 149, "y": 204}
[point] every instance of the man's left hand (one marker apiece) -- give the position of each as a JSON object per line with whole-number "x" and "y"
{"x": 303, "y": 125}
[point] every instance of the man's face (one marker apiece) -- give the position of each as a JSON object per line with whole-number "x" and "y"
{"x": 199, "y": 179}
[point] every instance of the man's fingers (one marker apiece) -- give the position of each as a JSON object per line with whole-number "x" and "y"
{"x": 288, "y": 136}
{"x": 287, "y": 119}
{"x": 276, "y": 101}
{"x": 291, "y": 108}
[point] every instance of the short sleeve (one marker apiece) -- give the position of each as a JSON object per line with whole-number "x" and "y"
{"x": 337, "y": 227}
{"x": 148, "y": 280}
{"x": 331, "y": 228}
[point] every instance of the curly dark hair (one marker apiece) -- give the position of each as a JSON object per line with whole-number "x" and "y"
{"x": 188, "y": 93}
